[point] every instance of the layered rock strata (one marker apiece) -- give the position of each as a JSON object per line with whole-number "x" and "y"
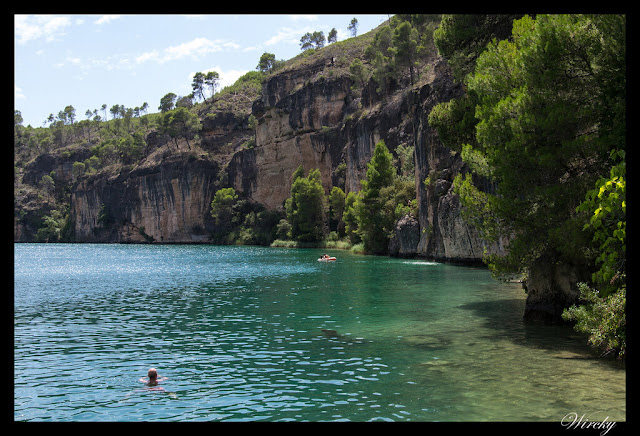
{"x": 316, "y": 120}
{"x": 167, "y": 203}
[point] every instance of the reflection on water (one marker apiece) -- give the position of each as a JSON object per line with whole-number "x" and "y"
{"x": 246, "y": 333}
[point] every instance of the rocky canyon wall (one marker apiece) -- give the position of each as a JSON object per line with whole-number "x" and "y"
{"x": 307, "y": 116}
{"x": 165, "y": 199}
{"x": 168, "y": 202}
{"x": 313, "y": 118}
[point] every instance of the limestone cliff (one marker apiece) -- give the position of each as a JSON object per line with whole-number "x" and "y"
{"x": 299, "y": 116}
{"x": 168, "y": 202}
{"x": 308, "y": 115}
{"x": 313, "y": 118}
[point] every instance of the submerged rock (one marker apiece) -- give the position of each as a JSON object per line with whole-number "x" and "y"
{"x": 428, "y": 341}
{"x": 330, "y": 333}
{"x": 572, "y": 355}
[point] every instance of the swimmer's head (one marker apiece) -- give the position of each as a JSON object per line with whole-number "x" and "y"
{"x": 152, "y": 373}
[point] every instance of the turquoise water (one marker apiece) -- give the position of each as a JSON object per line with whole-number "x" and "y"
{"x": 238, "y": 333}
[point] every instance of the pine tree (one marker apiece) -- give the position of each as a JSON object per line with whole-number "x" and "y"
{"x": 306, "y": 206}
{"x": 373, "y": 226}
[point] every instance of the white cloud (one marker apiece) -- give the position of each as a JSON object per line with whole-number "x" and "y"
{"x": 31, "y": 27}
{"x": 18, "y": 93}
{"x": 197, "y": 47}
{"x": 148, "y": 56}
{"x": 104, "y": 19}
{"x": 74, "y": 61}
{"x": 286, "y": 35}
{"x": 292, "y": 35}
{"x": 229, "y": 77}
{"x": 85, "y": 65}
{"x": 343, "y": 34}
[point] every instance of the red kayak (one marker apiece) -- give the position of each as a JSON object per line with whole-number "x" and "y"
{"x": 326, "y": 259}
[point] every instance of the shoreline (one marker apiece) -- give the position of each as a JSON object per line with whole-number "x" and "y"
{"x": 290, "y": 244}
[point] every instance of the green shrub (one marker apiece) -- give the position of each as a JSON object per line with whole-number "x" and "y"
{"x": 358, "y": 248}
{"x": 602, "y": 318}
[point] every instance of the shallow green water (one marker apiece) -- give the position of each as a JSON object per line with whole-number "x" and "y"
{"x": 238, "y": 333}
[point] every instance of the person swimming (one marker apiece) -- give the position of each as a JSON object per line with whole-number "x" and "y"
{"x": 153, "y": 379}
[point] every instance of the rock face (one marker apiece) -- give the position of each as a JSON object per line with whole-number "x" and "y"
{"x": 307, "y": 116}
{"x": 298, "y": 122}
{"x": 168, "y": 198}
{"x": 551, "y": 288}
{"x": 312, "y": 118}
{"x": 444, "y": 235}
{"x": 404, "y": 242}
{"x": 167, "y": 203}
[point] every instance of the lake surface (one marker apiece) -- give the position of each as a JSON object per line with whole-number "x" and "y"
{"x": 238, "y": 333}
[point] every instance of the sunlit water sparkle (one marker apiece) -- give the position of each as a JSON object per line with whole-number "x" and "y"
{"x": 238, "y": 333}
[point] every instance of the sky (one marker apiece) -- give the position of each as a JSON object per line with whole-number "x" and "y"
{"x": 90, "y": 60}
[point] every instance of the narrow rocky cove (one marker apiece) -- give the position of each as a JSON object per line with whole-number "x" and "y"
{"x": 307, "y": 115}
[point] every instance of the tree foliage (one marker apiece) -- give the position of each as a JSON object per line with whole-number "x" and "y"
{"x": 336, "y": 210}
{"x": 222, "y": 207}
{"x": 180, "y": 122}
{"x": 332, "y": 36}
{"x": 266, "y": 63}
{"x": 350, "y": 219}
{"x": 313, "y": 40}
{"x": 537, "y": 117}
{"x": 402, "y": 45}
{"x": 201, "y": 81}
{"x": 306, "y": 207}
{"x": 462, "y": 38}
{"x": 371, "y": 214}
{"x": 357, "y": 73}
{"x": 405, "y": 47}
{"x": 54, "y": 226}
{"x": 353, "y": 27}
{"x": 373, "y": 228}
{"x": 198, "y": 85}
{"x": 602, "y": 312}
{"x": 544, "y": 120}
{"x": 237, "y": 221}
{"x": 606, "y": 205}
{"x": 167, "y": 102}
{"x": 602, "y": 318}
{"x": 379, "y": 54}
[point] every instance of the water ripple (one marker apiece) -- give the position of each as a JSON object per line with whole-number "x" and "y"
{"x": 244, "y": 333}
